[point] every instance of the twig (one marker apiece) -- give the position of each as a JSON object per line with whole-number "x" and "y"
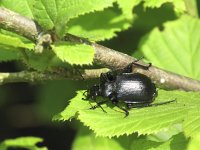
{"x": 103, "y": 55}
{"x": 21, "y": 25}
{"x": 34, "y": 76}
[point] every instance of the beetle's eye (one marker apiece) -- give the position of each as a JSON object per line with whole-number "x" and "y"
{"x": 111, "y": 77}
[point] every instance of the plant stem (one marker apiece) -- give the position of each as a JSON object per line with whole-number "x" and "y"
{"x": 21, "y": 25}
{"x": 34, "y": 76}
{"x": 103, "y": 56}
{"x": 191, "y": 7}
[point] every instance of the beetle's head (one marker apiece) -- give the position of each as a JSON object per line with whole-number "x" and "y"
{"x": 93, "y": 92}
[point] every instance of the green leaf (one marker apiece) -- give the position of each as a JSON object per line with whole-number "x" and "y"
{"x": 179, "y": 5}
{"x": 14, "y": 42}
{"x": 72, "y": 108}
{"x": 102, "y": 25}
{"x": 45, "y": 13}
{"x": 74, "y": 53}
{"x": 194, "y": 143}
{"x": 40, "y": 61}
{"x": 192, "y": 123}
{"x": 146, "y": 120}
{"x": 163, "y": 136}
{"x": 176, "y": 48}
{"x": 22, "y": 142}
{"x": 85, "y": 140}
{"x": 23, "y": 6}
{"x": 127, "y": 7}
{"x": 9, "y": 53}
{"x": 56, "y": 13}
{"x": 178, "y": 142}
{"x": 142, "y": 121}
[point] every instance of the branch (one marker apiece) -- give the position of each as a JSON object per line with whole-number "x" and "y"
{"x": 103, "y": 55}
{"x": 21, "y": 25}
{"x": 34, "y": 76}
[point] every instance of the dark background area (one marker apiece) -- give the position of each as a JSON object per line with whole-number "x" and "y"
{"x": 20, "y": 113}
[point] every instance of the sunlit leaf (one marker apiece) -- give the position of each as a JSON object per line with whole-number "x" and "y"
{"x": 179, "y": 5}
{"x": 22, "y": 142}
{"x": 176, "y": 47}
{"x": 14, "y": 42}
{"x": 127, "y": 7}
{"x": 102, "y": 25}
{"x": 24, "y": 7}
{"x": 194, "y": 143}
{"x": 86, "y": 140}
{"x": 74, "y": 53}
{"x": 146, "y": 120}
{"x": 52, "y": 13}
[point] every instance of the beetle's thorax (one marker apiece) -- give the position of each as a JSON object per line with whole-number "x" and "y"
{"x": 107, "y": 89}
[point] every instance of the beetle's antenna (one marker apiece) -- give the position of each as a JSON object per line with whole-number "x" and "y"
{"x": 79, "y": 74}
{"x": 140, "y": 65}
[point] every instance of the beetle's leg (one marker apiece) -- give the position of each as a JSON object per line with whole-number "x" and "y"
{"x": 141, "y": 105}
{"x": 128, "y": 69}
{"x": 129, "y": 105}
{"x": 114, "y": 100}
{"x": 146, "y": 67}
{"x": 162, "y": 103}
{"x": 99, "y": 105}
{"x": 85, "y": 95}
{"x": 136, "y": 105}
{"x": 84, "y": 98}
{"x": 125, "y": 111}
{"x": 139, "y": 65}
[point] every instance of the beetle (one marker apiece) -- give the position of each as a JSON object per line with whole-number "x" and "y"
{"x": 133, "y": 89}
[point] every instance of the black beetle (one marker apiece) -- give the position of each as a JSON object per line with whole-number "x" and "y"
{"x": 133, "y": 89}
